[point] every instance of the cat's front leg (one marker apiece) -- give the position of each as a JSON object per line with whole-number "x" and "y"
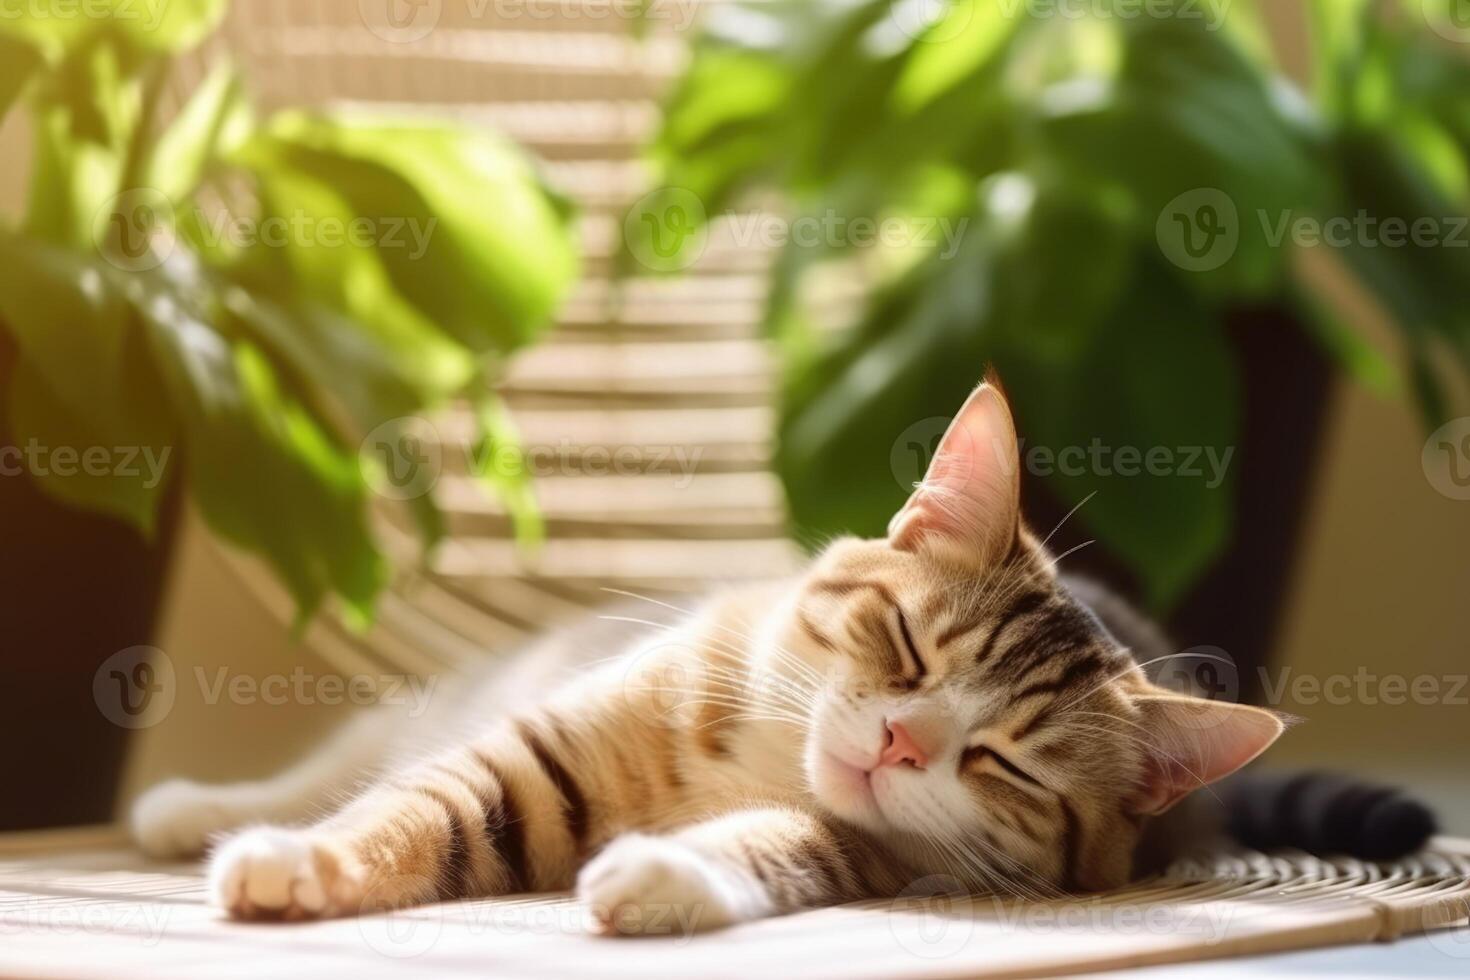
{"x": 488, "y": 819}
{"x": 742, "y": 866}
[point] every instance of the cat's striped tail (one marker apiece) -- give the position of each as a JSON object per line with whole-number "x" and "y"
{"x": 1325, "y": 813}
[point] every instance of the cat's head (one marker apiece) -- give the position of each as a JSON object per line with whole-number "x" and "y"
{"x": 970, "y": 705}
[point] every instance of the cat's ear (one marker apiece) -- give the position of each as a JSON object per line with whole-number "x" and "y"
{"x": 970, "y": 500}
{"x": 1195, "y": 741}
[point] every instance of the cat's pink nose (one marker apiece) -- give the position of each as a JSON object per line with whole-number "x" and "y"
{"x": 901, "y": 748}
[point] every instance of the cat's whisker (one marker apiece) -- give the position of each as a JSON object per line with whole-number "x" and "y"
{"x": 1047, "y": 540}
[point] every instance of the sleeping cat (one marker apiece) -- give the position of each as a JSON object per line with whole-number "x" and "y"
{"x": 938, "y": 702}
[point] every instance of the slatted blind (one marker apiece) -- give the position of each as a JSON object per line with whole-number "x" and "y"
{"x": 669, "y": 370}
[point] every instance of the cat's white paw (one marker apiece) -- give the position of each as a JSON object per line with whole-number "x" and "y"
{"x": 276, "y": 873}
{"x": 180, "y": 818}
{"x": 658, "y": 886}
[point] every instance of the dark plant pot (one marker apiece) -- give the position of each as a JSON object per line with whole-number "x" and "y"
{"x": 75, "y": 588}
{"x": 1286, "y": 383}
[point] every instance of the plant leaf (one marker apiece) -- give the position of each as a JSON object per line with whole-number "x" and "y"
{"x": 215, "y": 112}
{"x": 264, "y": 473}
{"x": 490, "y": 275}
{"x": 96, "y": 474}
{"x": 500, "y": 463}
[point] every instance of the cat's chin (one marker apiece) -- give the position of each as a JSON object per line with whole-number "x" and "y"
{"x": 846, "y": 790}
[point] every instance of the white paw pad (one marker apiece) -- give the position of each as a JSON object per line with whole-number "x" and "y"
{"x": 275, "y": 873}
{"x": 650, "y": 886}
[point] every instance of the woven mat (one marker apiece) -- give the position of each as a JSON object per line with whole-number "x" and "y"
{"x": 78, "y": 904}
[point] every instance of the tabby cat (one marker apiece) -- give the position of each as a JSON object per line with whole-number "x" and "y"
{"x": 937, "y": 703}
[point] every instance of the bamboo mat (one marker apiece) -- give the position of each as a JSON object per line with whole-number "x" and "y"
{"x": 80, "y": 904}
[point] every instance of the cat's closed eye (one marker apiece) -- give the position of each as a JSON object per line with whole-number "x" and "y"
{"x": 920, "y": 670}
{"x": 977, "y": 754}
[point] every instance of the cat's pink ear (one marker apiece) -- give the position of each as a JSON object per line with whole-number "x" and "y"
{"x": 970, "y": 500}
{"x": 1196, "y": 741}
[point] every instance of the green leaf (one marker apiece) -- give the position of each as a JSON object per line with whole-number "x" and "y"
{"x": 305, "y": 507}
{"x": 72, "y": 327}
{"x": 215, "y": 114}
{"x": 78, "y": 466}
{"x": 83, "y": 380}
{"x": 367, "y": 383}
{"x": 855, "y": 422}
{"x": 1187, "y": 114}
{"x": 500, "y": 464}
{"x": 352, "y": 281}
{"x": 148, "y": 25}
{"x": 490, "y": 275}
{"x": 1170, "y": 524}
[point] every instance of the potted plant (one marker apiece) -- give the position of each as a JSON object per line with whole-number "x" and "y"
{"x": 1113, "y": 205}
{"x": 221, "y": 308}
